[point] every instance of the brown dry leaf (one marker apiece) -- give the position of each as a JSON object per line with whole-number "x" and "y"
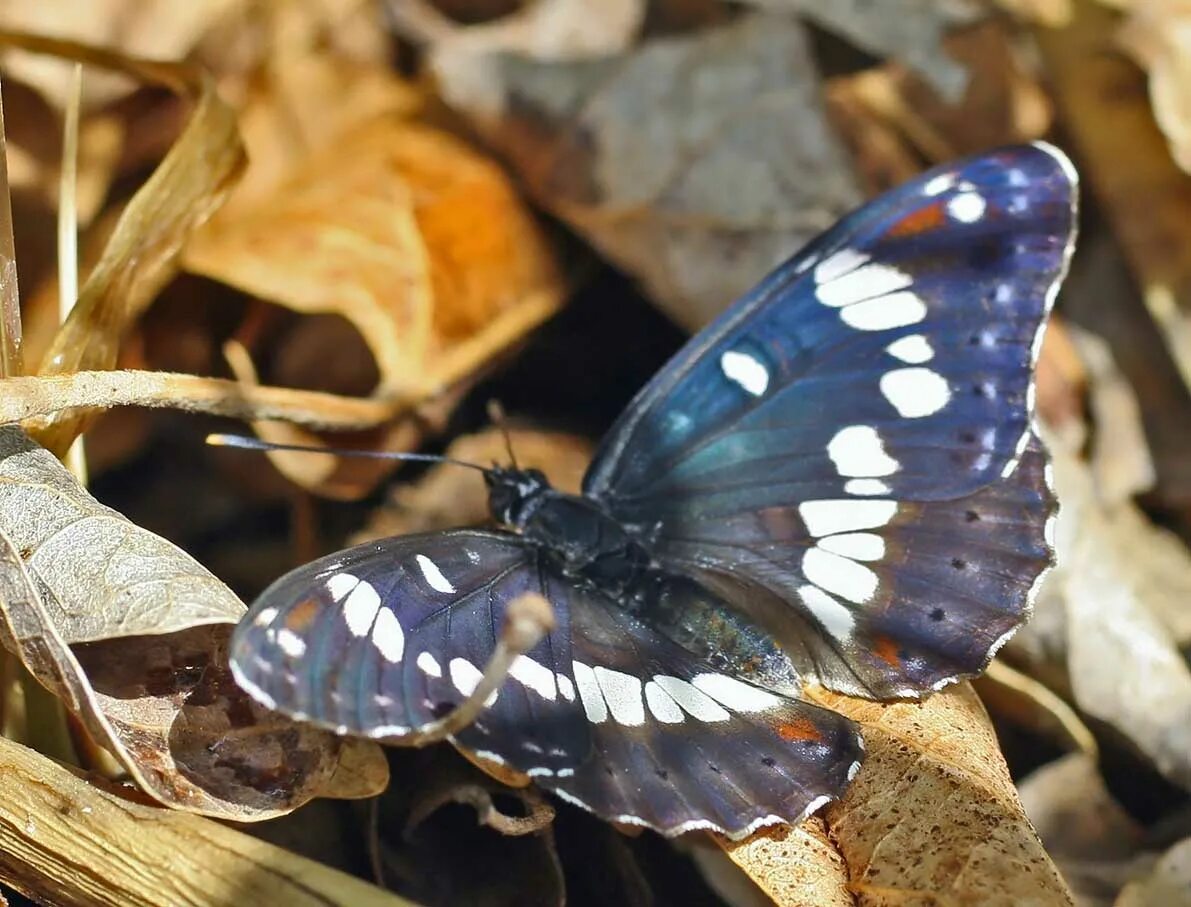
{"x": 1091, "y": 838}
{"x": 908, "y": 30}
{"x": 141, "y": 255}
{"x": 544, "y": 30}
{"x": 693, "y": 186}
{"x": 161, "y": 29}
{"x": 1158, "y": 35}
{"x": 403, "y": 230}
{"x": 1051, "y": 13}
{"x": 148, "y": 673}
{"x": 932, "y": 817}
{"x": 1148, "y": 202}
{"x": 1003, "y": 103}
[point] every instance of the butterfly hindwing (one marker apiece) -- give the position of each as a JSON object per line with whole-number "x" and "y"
{"x": 678, "y": 745}
{"x": 383, "y": 639}
{"x": 805, "y": 444}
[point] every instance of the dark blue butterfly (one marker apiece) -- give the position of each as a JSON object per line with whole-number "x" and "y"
{"x": 844, "y": 458}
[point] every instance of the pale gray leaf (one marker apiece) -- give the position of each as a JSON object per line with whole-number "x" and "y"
{"x": 99, "y": 575}
{"x": 907, "y": 30}
{"x": 695, "y": 163}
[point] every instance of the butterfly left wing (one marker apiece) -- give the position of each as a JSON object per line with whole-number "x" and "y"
{"x": 811, "y": 445}
{"x": 383, "y": 639}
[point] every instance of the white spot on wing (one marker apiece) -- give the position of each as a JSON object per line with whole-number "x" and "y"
{"x": 746, "y": 371}
{"x": 694, "y": 702}
{"x": 265, "y": 617}
{"x": 565, "y": 687}
{"x": 622, "y": 692}
{"x": 864, "y": 283}
{"x": 857, "y": 451}
{"x": 835, "y": 618}
{"x": 535, "y": 676}
{"x": 967, "y": 207}
{"x": 914, "y": 349}
{"x": 859, "y": 546}
{"x": 844, "y": 577}
{"x": 661, "y": 706}
{"x": 830, "y": 517}
{"x": 937, "y": 185}
{"x": 840, "y": 263}
{"x": 915, "y": 392}
{"x": 433, "y": 575}
{"x": 589, "y": 693}
{"x": 866, "y": 487}
{"x": 340, "y": 584}
{"x": 885, "y": 312}
{"x": 387, "y": 636}
{"x": 466, "y": 677}
{"x": 359, "y": 611}
{"x": 429, "y": 665}
{"x": 735, "y": 694}
{"x": 291, "y": 643}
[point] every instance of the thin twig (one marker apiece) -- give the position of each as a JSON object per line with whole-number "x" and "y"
{"x": 528, "y": 619}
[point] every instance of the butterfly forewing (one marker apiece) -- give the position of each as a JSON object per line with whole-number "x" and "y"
{"x": 385, "y": 638}
{"x": 810, "y": 445}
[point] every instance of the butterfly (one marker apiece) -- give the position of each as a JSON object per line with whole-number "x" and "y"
{"x": 836, "y": 482}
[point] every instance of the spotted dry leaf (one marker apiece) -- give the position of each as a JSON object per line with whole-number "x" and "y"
{"x": 131, "y": 633}
{"x": 932, "y": 818}
{"x": 694, "y": 186}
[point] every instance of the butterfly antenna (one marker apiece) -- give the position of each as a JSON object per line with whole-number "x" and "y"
{"x": 247, "y": 442}
{"x": 496, "y": 413}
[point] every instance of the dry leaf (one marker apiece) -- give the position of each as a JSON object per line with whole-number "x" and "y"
{"x": 141, "y": 255}
{"x": 1158, "y": 35}
{"x": 907, "y": 30}
{"x": 544, "y": 30}
{"x": 148, "y": 676}
{"x": 932, "y": 817}
{"x": 695, "y": 186}
{"x": 1112, "y": 564}
{"x": 161, "y": 29}
{"x": 1169, "y": 885}
{"x": 403, "y": 230}
{"x": 1093, "y": 840}
{"x": 99, "y": 575}
{"x": 1147, "y": 200}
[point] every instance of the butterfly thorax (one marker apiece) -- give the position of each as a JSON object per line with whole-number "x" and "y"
{"x": 575, "y": 531}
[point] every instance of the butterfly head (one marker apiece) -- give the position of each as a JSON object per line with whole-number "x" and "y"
{"x": 511, "y": 490}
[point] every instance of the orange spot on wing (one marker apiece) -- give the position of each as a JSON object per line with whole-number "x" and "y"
{"x": 302, "y": 615}
{"x": 798, "y": 729}
{"x": 921, "y": 221}
{"x": 886, "y": 650}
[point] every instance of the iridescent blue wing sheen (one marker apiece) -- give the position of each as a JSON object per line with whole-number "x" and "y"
{"x": 805, "y": 446}
{"x": 383, "y": 639}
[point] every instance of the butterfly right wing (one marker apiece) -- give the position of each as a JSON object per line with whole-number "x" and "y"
{"x": 383, "y": 639}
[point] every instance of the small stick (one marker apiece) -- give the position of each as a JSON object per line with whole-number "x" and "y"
{"x": 528, "y": 619}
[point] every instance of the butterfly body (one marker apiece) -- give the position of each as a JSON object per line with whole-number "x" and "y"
{"x": 836, "y": 482}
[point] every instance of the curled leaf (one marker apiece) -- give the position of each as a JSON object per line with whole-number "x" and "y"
{"x": 147, "y": 674}
{"x": 141, "y": 255}
{"x": 932, "y": 817}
